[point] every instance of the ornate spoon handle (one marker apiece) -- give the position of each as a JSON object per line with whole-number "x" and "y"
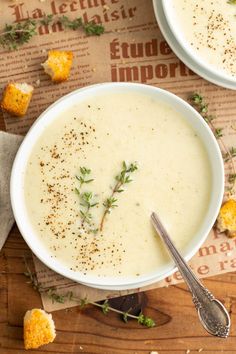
{"x": 212, "y": 314}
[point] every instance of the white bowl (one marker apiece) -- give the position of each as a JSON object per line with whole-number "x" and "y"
{"x": 182, "y": 54}
{"x": 20, "y": 163}
{"x": 177, "y": 32}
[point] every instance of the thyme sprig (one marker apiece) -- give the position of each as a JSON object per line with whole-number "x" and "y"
{"x": 202, "y": 107}
{"x": 52, "y": 294}
{"x": 232, "y": 178}
{"x": 228, "y": 155}
{"x": 198, "y": 102}
{"x": 218, "y": 132}
{"x": 86, "y": 198}
{"x": 87, "y": 203}
{"x": 15, "y": 35}
{"x": 46, "y": 20}
{"x": 89, "y": 28}
{"x": 121, "y": 179}
{"x": 82, "y": 178}
{"x": 33, "y": 280}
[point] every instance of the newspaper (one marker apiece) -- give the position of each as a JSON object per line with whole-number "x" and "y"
{"x": 131, "y": 49}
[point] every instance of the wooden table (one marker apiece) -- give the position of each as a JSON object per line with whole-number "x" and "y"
{"x": 90, "y": 331}
{"x": 178, "y": 330}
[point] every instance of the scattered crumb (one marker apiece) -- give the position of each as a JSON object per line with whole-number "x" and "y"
{"x": 80, "y": 347}
{"x": 37, "y": 83}
{"x": 153, "y": 352}
{"x": 106, "y": 7}
{"x": 188, "y": 351}
{"x": 200, "y": 350}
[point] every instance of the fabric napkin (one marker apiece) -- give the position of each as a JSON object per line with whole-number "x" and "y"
{"x": 9, "y": 144}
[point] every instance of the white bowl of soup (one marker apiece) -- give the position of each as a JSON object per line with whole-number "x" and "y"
{"x": 95, "y": 165}
{"x": 206, "y": 30}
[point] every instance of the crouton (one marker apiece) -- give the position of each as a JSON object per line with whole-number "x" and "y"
{"x": 16, "y": 98}
{"x": 39, "y": 328}
{"x": 226, "y": 221}
{"x": 58, "y": 65}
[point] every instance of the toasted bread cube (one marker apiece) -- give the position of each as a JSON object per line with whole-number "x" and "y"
{"x": 16, "y": 98}
{"x": 226, "y": 221}
{"x": 39, "y": 328}
{"x": 58, "y": 65}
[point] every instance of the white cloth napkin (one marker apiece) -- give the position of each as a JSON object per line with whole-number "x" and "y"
{"x": 9, "y": 145}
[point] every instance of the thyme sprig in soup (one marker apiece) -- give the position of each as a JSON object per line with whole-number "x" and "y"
{"x": 98, "y": 171}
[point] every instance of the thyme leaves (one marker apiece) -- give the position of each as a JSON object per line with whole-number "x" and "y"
{"x": 87, "y": 198}
{"x": 198, "y": 102}
{"x": 87, "y": 201}
{"x": 62, "y": 298}
{"x": 82, "y": 178}
{"x": 15, "y": 35}
{"x": 124, "y": 177}
{"x": 89, "y": 28}
{"x": 229, "y": 154}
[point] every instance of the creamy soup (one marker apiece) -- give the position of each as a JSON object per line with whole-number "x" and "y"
{"x": 77, "y": 167}
{"x": 210, "y": 28}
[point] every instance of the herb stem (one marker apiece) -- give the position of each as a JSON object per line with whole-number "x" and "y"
{"x": 116, "y": 188}
{"x": 109, "y": 308}
{"x": 122, "y": 178}
{"x": 101, "y": 306}
{"x": 228, "y": 154}
{"x": 15, "y": 35}
{"x": 69, "y": 296}
{"x": 16, "y": 31}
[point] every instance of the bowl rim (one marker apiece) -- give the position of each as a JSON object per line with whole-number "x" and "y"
{"x": 181, "y": 53}
{"x": 178, "y": 35}
{"x": 18, "y": 204}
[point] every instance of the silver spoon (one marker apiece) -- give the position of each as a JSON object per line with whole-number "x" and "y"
{"x": 212, "y": 313}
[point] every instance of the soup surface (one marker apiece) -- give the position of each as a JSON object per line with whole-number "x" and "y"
{"x": 210, "y": 29}
{"x": 92, "y": 211}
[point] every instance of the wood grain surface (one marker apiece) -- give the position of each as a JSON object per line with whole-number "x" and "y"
{"x": 178, "y": 330}
{"x": 90, "y": 331}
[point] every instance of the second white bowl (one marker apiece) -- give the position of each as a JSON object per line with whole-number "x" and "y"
{"x": 220, "y": 77}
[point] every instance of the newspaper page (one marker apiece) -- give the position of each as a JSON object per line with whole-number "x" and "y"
{"x": 131, "y": 49}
